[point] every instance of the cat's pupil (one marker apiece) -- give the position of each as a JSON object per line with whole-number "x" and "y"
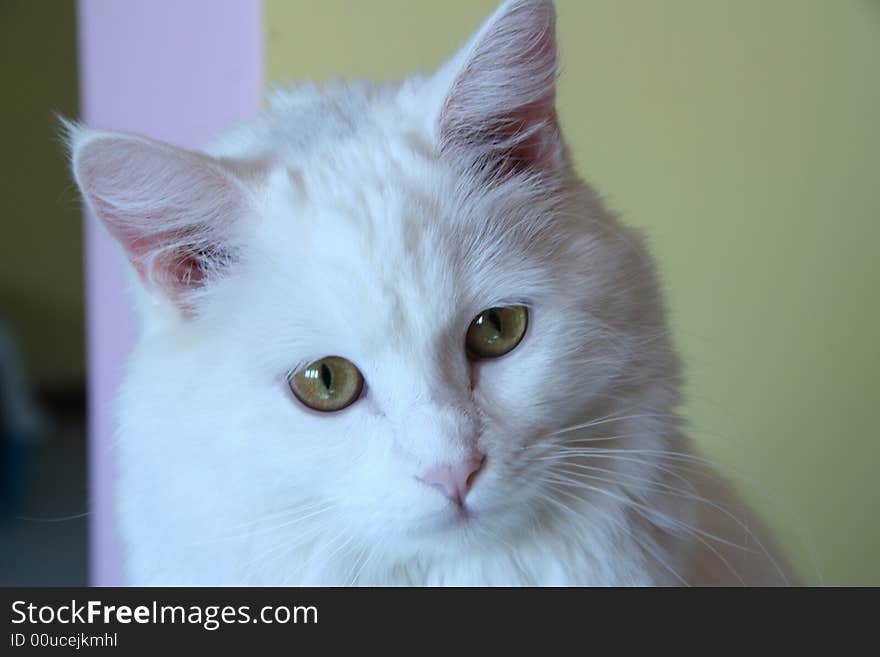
{"x": 326, "y": 376}
{"x": 495, "y": 319}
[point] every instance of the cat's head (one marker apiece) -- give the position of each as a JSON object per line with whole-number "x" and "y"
{"x": 384, "y": 301}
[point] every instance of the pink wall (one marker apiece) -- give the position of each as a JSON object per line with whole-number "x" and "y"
{"x": 178, "y": 70}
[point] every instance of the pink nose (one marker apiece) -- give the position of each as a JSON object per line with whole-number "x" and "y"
{"x": 455, "y": 480}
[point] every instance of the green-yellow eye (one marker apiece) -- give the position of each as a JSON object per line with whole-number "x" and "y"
{"x": 328, "y": 384}
{"x": 496, "y": 331}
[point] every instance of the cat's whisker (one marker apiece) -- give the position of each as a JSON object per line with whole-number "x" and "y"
{"x": 659, "y": 487}
{"x": 620, "y": 418}
{"x": 75, "y": 516}
{"x": 310, "y": 512}
{"x": 628, "y": 531}
{"x": 649, "y": 465}
{"x": 697, "y": 533}
{"x": 299, "y": 540}
{"x": 592, "y": 453}
{"x": 690, "y": 530}
{"x": 374, "y": 550}
{"x": 356, "y": 565}
{"x": 675, "y": 467}
{"x": 624, "y": 477}
{"x": 342, "y": 545}
{"x": 564, "y": 454}
{"x": 684, "y": 462}
{"x": 642, "y": 507}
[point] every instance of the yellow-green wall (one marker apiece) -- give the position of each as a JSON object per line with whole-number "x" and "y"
{"x": 744, "y": 138}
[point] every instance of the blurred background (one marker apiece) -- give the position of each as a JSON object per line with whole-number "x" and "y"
{"x": 741, "y": 137}
{"x": 43, "y": 527}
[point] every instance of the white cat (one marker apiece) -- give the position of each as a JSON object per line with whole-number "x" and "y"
{"x": 388, "y": 337}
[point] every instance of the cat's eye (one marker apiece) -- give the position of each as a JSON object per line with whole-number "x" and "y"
{"x": 496, "y": 331}
{"x": 328, "y": 384}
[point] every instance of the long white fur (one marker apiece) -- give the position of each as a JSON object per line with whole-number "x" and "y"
{"x": 369, "y": 222}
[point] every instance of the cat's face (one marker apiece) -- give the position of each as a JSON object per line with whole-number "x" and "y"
{"x": 388, "y": 271}
{"x": 379, "y": 240}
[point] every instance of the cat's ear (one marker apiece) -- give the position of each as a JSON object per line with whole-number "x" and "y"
{"x": 173, "y": 211}
{"x": 497, "y": 95}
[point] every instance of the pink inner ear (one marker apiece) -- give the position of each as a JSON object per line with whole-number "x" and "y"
{"x": 527, "y": 139}
{"x": 171, "y": 210}
{"x": 501, "y": 105}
